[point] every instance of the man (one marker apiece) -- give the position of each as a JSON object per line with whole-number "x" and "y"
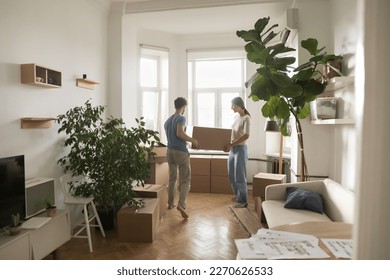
{"x": 178, "y": 156}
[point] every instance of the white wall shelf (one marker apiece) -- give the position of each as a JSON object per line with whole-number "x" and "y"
{"x": 333, "y": 121}
{"x": 339, "y": 83}
{"x": 337, "y": 87}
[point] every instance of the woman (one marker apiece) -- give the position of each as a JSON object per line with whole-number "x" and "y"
{"x": 238, "y": 152}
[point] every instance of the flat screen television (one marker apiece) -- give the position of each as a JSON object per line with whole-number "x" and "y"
{"x": 12, "y": 189}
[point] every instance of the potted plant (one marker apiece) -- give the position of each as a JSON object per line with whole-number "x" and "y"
{"x": 286, "y": 90}
{"x": 16, "y": 225}
{"x": 51, "y": 209}
{"x": 111, "y": 158}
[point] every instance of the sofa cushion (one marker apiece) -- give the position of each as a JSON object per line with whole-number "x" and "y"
{"x": 297, "y": 198}
{"x": 277, "y": 215}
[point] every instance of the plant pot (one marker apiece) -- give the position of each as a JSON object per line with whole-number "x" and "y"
{"x": 106, "y": 218}
{"x": 51, "y": 211}
{"x": 15, "y": 230}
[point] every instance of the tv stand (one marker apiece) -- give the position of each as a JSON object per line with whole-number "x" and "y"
{"x": 36, "y": 244}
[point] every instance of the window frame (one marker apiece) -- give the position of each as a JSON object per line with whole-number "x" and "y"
{"x": 161, "y": 91}
{"x": 218, "y": 91}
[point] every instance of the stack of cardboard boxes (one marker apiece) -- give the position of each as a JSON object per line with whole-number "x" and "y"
{"x": 159, "y": 171}
{"x": 140, "y": 224}
{"x": 200, "y": 173}
{"x": 209, "y": 174}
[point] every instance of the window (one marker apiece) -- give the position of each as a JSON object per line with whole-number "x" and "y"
{"x": 215, "y": 78}
{"x": 153, "y": 87}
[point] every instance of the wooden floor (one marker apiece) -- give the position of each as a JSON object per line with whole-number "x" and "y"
{"x": 208, "y": 234}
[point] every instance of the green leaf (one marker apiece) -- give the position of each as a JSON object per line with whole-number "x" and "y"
{"x": 304, "y": 66}
{"x": 280, "y": 48}
{"x": 269, "y": 37}
{"x": 266, "y": 110}
{"x": 261, "y": 24}
{"x": 294, "y": 90}
{"x": 254, "y": 98}
{"x": 281, "y": 80}
{"x": 317, "y": 58}
{"x": 282, "y": 109}
{"x": 314, "y": 87}
{"x": 304, "y": 112}
{"x": 310, "y": 45}
{"x": 248, "y": 36}
{"x": 281, "y": 63}
{"x": 329, "y": 57}
{"x": 304, "y": 75}
{"x": 259, "y": 88}
{"x": 270, "y": 107}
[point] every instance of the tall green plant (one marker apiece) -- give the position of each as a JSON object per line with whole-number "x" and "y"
{"x": 286, "y": 90}
{"x": 111, "y": 157}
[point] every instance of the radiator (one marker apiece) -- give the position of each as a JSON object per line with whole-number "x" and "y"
{"x": 273, "y": 167}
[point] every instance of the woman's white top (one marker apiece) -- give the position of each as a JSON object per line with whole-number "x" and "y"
{"x": 241, "y": 126}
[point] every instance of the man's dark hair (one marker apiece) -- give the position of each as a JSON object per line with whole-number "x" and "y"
{"x": 180, "y": 102}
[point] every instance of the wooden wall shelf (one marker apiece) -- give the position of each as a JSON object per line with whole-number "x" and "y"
{"x": 86, "y": 83}
{"x": 36, "y": 122}
{"x": 41, "y": 76}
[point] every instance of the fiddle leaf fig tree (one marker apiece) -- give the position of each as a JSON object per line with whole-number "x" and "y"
{"x": 285, "y": 89}
{"x": 110, "y": 157}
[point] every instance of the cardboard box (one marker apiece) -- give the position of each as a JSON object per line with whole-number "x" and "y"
{"x": 219, "y": 166}
{"x": 220, "y": 184}
{"x": 159, "y": 174}
{"x": 154, "y": 191}
{"x": 161, "y": 155}
{"x": 138, "y": 225}
{"x": 262, "y": 180}
{"x": 200, "y": 184}
{"x": 210, "y": 138}
{"x": 259, "y": 211}
{"x": 200, "y": 164}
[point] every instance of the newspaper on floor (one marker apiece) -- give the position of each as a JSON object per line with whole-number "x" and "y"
{"x": 272, "y": 244}
{"x": 340, "y": 248}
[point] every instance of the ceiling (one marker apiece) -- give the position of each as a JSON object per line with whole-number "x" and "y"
{"x": 208, "y": 19}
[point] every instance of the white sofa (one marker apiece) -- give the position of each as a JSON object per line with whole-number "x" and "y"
{"x": 338, "y": 203}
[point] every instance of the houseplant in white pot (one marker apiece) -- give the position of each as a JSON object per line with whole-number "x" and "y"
{"x": 111, "y": 157}
{"x": 51, "y": 209}
{"x": 285, "y": 90}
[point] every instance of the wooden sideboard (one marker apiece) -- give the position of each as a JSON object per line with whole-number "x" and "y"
{"x": 35, "y": 244}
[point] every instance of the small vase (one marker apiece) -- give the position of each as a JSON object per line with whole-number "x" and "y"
{"x": 15, "y": 230}
{"x": 51, "y": 211}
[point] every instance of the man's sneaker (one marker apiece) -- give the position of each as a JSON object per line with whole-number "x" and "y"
{"x": 182, "y": 212}
{"x": 241, "y": 205}
{"x": 171, "y": 206}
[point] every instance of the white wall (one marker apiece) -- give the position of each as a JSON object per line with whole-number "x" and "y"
{"x": 69, "y": 36}
{"x": 372, "y": 227}
{"x": 330, "y": 150}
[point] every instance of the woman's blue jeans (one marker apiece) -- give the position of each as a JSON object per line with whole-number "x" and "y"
{"x": 238, "y": 158}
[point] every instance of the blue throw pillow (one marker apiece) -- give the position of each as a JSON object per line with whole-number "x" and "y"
{"x": 297, "y": 198}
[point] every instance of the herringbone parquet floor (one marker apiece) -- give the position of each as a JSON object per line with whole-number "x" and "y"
{"x": 208, "y": 234}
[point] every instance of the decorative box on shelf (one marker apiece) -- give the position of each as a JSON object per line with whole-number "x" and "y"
{"x": 323, "y": 108}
